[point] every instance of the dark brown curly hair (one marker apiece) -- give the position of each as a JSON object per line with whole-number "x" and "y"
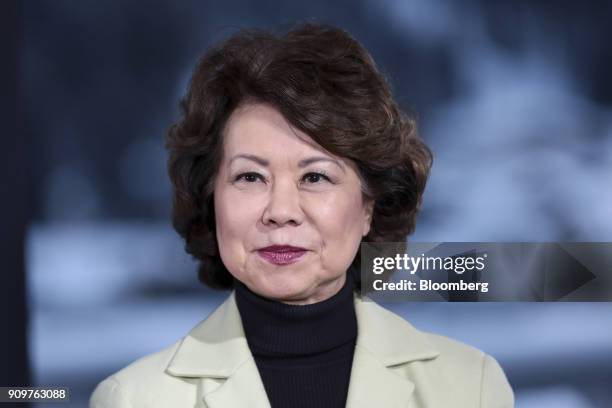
{"x": 324, "y": 83}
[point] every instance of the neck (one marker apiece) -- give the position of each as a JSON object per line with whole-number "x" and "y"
{"x": 277, "y": 328}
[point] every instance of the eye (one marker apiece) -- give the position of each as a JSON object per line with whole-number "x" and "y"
{"x": 249, "y": 177}
{"x": 314, "y": 178}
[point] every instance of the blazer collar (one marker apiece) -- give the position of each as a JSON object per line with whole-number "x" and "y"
{"x": 216, "y": 351}
{"x": 214, "y": 348}
{"x": 388, "y": 337}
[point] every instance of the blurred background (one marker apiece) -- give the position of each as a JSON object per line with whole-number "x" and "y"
{"x": 514, "y": 98}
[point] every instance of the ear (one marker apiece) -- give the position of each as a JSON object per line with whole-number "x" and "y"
{"x": 368, "y": 208}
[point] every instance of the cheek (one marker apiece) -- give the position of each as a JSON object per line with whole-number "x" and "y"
{"x": 235, "y": 220}
{"x": 339, "y": 214}
{"x": 339, "y": 221}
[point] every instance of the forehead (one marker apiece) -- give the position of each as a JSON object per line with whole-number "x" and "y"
{"x": 261, "y": 128}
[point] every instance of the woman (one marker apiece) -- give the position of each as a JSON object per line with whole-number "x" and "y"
{"x": 289, "y": 154}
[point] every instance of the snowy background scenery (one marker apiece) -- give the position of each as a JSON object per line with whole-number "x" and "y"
{"x": 514, "y": 98}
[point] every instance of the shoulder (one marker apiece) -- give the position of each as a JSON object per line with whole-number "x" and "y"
{"x": 469, "y": 376}
{"x": 170, "y": 377}
{"x": 395, "y": 332}
{"x": 140, "y": 383}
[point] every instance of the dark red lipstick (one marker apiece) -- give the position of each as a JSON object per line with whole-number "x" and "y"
{"x": 281, "y": 254}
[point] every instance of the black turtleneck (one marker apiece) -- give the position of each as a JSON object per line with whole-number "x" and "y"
{"x": 303, "y": 353}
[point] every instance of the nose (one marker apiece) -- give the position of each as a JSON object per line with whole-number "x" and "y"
{"x": 283, "y": 206}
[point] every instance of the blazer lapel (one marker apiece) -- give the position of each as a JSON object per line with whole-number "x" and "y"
{"x": 216, "y": 352}
{"x": 241, "y": 389}
{"x": 385, "y": 343}
{"x": 374, "y": 385}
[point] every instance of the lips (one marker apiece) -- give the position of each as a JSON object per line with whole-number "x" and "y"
{"x": 281, "y": 254}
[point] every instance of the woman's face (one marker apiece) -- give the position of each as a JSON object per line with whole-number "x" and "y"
{"x": 277, "y": 187}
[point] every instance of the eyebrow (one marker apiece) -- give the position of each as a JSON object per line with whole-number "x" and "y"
{"x": 251, "y": 157}
{"x": 301, "y": 163}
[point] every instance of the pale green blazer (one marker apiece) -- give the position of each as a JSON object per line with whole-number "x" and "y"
{"x": 394, "y": 365}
